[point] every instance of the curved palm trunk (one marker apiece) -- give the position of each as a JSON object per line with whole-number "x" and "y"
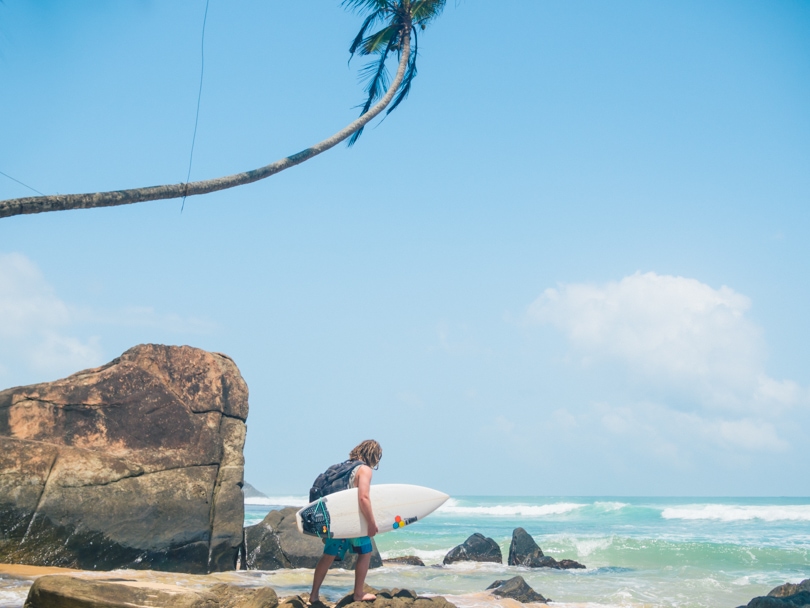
{"x": 59, "y": 202}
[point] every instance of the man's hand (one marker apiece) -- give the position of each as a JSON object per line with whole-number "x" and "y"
{"x": 364, "y": 500}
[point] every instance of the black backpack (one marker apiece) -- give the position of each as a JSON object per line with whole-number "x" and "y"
{"x": 334, "y": 479}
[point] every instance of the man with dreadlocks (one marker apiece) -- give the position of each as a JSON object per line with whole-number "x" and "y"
{"x": 354, "y": 473}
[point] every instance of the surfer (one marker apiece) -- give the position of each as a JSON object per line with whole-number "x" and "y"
{"x": 354, "y": 473}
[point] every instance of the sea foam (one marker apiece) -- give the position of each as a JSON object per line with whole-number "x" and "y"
{"x": 277, "y": 501}
{"x": 739, "y": 512}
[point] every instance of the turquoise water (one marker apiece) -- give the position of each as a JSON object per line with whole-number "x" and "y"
{"x": 639, "y": 552}
{"x": 684, "y": 552}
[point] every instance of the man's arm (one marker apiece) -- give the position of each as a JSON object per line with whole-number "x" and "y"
{"x": 363, "y": 487}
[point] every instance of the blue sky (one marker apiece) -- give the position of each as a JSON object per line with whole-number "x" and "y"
{"x": 575, "y": 261}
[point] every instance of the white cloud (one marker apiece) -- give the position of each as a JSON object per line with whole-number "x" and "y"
{"x": 34, "y": 323}
{"x": 672, "y": 331}
{"x": 670, "y": 434}
{"x": 42, "y": 336}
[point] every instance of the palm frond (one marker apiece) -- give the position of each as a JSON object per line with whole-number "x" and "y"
{"x": 410, "y": 74}
{"x": 366, "y": 5}
{"x": 376, "y": 73}
{"x": 377, "y": 85}
{"x": 379, "y": 40}
{"x": 358, "y": 40}
{"x": 425, "y": 11}
{"x": 400, "y": 17}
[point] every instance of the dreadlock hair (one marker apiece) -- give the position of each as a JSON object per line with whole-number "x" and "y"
{"x": 369, "y": 452}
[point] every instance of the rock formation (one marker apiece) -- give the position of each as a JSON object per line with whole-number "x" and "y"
{"x": 477, "y": 548}
{"x": 135, "y": 464}
{"x": 789, "y": 589}
{"x": 517, "y": 589}
{"x": 61, "y": 591}
{"x": 788, "y": 595}
{"x": 524, "y": 551}
{"x": 276, "y": 543}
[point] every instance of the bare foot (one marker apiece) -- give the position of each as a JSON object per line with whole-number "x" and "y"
{"x": 366, "y": 597}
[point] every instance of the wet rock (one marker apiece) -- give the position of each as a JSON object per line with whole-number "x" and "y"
{"x": 135, "y": 464}
{"x": 394, "y": 598}
{"x": 517, "y": 589}
{"x": 477, "y": 548}
{"x": 405, "y": 560}
{"x": 232, "y": 596}
{"x": 784, "y": 596}
{"x": 60, "y": 591}
{"x": 524, "y": 551}
{"x": 276, "y": 543}
{"x": 790, "y": 601}
{"x": 789, "y": 589}
{"x": 301, "y": 601}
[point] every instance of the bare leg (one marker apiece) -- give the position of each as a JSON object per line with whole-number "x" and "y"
{"x": 320, "y": 574}
{"x": 360, "y": 571}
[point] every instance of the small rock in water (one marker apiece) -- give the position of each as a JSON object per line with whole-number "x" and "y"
{"x": 477, "y": 548}
{"x": 517, "y": 589}
{"x": 524, "y": 551}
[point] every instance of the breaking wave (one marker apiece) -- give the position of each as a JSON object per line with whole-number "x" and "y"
{"x": 278, "y": 501}
{"x": 739, "y": 512}
{"x": 559, "y": 508}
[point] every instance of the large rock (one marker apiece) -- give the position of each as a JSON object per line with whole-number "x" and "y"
{"x": 477, "y": 548}
{"x": 276, "y": 543}
{"x": 790, "y": 601}
{"x": 517, "y": 589}
{"x": 789, "y": 589}
{"x": 524, "y": 551}
{"x": 784, "y": 596}
{"x": 135, "y": 464}
{"x": 60, "y": 591}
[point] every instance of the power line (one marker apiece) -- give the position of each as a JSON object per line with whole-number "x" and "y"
{"x": 199, "y": 97}
{"x": 22, "y": 184}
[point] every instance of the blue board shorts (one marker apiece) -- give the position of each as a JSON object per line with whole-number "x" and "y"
{"x": 339, "y": 546}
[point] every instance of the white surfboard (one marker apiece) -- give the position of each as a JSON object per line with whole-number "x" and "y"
{"x": 395, "y": 506}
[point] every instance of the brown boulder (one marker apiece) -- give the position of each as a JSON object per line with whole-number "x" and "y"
{"x": 135, "y": 464}
{"x": 60, "y": 591}
{"x": 276, "y": 543}
{"x": 789, "y": 589}
{"x": 231, "y": 596}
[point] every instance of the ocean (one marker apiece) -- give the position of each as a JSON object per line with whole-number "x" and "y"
{"x": 639, "y": 552}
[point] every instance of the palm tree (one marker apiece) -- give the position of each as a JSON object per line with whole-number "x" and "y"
{"x": 400, "y": 20}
